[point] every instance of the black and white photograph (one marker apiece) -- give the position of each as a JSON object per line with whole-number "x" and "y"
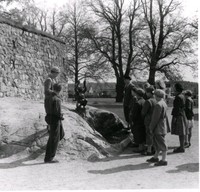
{"x": 99, "y": 95}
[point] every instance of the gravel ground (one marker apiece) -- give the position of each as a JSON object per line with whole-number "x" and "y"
{"x": 126, "y": 171}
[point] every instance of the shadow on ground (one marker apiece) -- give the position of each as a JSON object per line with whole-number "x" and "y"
{"x": 190, "y": 167}
{"x": 20, "y": 162}
{"x": 122, "y": 168}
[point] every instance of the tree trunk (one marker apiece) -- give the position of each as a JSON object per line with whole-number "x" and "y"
{"x": 120, "y": 89}
{"x": 152, "y": 74}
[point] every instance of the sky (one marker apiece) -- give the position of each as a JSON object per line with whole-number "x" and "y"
{"x": 190, "y": 7}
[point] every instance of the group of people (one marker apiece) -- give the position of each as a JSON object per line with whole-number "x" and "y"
{"x": 145, "y": 112}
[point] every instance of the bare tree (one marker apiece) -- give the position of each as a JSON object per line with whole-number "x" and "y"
{"x": 167, "y": 43}
{"x": 115, "y": 37}
{"x": 82, "y": 59}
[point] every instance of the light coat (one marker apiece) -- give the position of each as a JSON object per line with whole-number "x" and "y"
{"x": 158, "y": 122}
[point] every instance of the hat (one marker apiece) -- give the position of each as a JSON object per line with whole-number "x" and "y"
{"x": 140, "y": 92}
{"x": 150, "y": 89}
{"x": 178, "y": 87}
{"x": 188, "y": 93}
{"x": 159, "y": 93}
{"x": 127, "y": 77}
{"x": 55, "y": 70}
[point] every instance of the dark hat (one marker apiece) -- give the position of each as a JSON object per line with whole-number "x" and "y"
{"x": 159, "y": 93}
{"x": 127, "y": 77}
{"x": 150, "y": 89}
{"x": 178, "y": 87}
{"x": 55, "y": 70}
{"x": 188, "y": 93}
{"x": 140, "y": 92}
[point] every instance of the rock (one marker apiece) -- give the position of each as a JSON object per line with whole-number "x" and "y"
{"x": 108, "y": 124}
{"x": 24, "y": 131}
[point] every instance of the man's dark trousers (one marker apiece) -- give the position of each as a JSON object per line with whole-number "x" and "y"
{"x": 55, "y": 135}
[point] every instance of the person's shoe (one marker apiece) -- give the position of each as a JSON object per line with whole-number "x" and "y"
{"x": 179, "y": 150}
{"x": 186, "y": 145}
{"x": 161, "y": 163}
{"x": 153, "y": 160}
{"x": 52, "y": 161}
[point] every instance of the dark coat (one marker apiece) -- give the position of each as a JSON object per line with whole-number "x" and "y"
{"x": 189, "y": 108}
{"x": 53, "y": 108}
{"x": 178, "y": 105}
{"x": 127, "y": 102}
{"x": 127, "y": 95}
{"x": 138, "y": 127}
{"x": 179, "y": 120}
{"x": 53, "y": 118}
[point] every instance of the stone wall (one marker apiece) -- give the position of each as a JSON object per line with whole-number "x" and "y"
{"x": 26, "y": 56}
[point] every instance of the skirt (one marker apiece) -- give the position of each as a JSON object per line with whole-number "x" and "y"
{"x": 179, "y": 125}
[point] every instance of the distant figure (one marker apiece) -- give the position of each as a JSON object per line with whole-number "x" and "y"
{"x": 48, "y": 86}
{"x": 179, "y": 120}
{"x": 81, "y": 101}
{"x": 190, "y": 116}
{"x": 127, "y": 98}
{"x": 54, "y": 119}
{"x": 158, "y": 128}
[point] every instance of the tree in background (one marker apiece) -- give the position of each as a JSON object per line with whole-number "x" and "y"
{"x": 83, "y": 61}
{"x": 167, "y": 43}
{"x": 114, "y": 36}
{"x": 27, "y": 13}
{"x": 145, "y": 36}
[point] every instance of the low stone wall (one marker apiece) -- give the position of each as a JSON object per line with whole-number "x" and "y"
{"x": 26, "y": 56}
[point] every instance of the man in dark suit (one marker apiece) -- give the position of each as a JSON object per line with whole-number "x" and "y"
{"x": 127, "y": 97}
{"x": 54, "y": 119}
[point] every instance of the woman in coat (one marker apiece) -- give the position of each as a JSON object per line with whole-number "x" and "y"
{"x": 179, "y": 121}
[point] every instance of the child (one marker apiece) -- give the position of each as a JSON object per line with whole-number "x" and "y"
{"x": 158, "y": 128}
{"x": 54, "y": 118}
{"x": 189, "y": 114}
{"x": 147, "y": 112}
